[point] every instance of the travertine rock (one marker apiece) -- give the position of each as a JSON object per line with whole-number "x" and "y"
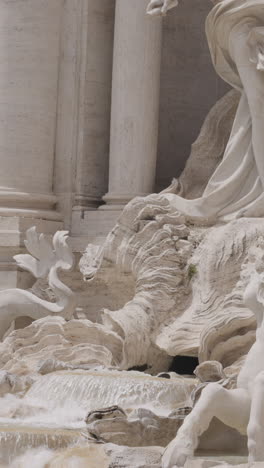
{"x": 210, "y": 371}
{"x": 140, "y": 457}
{"x": 187, "y": 297}
{"x": 199, "y": 463}
{"x": 10, "y": 383}
{"x": 76, "y": 342}
{"x": 142, "y": 428}
{"x": 52, "y": 365}
{"x": 187, "y": 300}
{"x": 148, "y": 457}
{"x": 246, "y": 465}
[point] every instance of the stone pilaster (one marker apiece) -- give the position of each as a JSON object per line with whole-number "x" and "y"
{"x": 29, "y": 64}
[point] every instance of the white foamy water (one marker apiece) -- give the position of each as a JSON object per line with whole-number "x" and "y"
{"x": 15, "y": 440}
{"x": 29, "y": 423}
{"x": 32, "y": 459}
{"x": 52, "y": 413}
{"x": 95, "y": 390}
{"x": 89, "y": 456}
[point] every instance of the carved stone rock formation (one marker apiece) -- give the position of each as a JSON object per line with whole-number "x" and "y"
{"x": 188, "y": 297}
{"x": 152, "y": 247}
{"x": 142, "y": 428}
{"x": 10, "y": 383}
{"x": 76, "y": 342}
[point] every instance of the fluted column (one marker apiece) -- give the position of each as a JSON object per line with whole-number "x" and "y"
{"x": 29, "y": 63}
{"x": 135, "y": 103}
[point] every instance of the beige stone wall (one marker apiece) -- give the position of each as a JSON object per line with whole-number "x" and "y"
{"x": 56, "y": 87}
{"x": 189, "y": 86}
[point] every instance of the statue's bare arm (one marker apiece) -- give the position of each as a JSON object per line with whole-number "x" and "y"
{"x": 160, "y": 7}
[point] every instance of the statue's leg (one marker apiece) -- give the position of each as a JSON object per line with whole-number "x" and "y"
{"x": 232, "y": 407}
{"x": 256, "y": 421}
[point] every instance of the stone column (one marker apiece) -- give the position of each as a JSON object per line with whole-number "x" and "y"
{"x": 29, "y": 61}
{"x": 29, "y": 65}
{"x": 135, "y": 103}
{"x": 95, "y": 105}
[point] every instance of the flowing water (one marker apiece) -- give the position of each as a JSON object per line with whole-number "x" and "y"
{"x": 52, "y": 413}
{"x": 94, "y": 390}
{"x": 91, "y": 456}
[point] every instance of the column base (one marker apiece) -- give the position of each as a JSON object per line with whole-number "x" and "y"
{"x": 83, "y": 202}
{"x": 117, "y": 201}
{"x": 28, "y": 205}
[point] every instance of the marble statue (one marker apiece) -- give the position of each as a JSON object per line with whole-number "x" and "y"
{"x": 243, "y": 407}
{"x": 235, "y": 35}
{"x": 187, "y": 266}
{"x": 235, "y": 32}
{"x": 45, "y": 261}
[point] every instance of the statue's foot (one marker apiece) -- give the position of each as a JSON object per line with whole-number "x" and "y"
{"x": 256, "y": 450}
{"x": 174, "y": 456}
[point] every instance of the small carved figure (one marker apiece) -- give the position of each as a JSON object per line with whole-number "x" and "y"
{"x": 45, "y": 261}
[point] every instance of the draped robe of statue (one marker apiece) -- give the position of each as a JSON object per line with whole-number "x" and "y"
{"x": 235, "y": 33}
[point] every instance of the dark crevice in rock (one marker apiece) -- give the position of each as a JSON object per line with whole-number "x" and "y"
{"x": 184, "y": 365}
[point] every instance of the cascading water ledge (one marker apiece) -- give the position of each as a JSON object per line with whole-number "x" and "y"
{"x": 52, "y": 413}
{"x": 15, "y": 438}
{"x": 102, "y": 389}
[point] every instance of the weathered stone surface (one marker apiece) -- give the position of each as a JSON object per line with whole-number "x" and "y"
{"x": 140, "y": 457}
{"x": 10, "y": 383}
{"x": 188, "y": 298}
{"x": 246, "y": 465}
{"x": 142, "y": 428}
{"x": 185, "y": 294}
{"x": 199, "y": 463}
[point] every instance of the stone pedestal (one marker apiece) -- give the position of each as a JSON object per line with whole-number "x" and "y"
{"x": 93, "y": 227}
{"x": 29, "y": 65}
{"x": 135, "y": 103}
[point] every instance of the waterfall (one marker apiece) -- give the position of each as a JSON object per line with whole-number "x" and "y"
{"x": 52, "y": 413}
{"x": 97, "y": 390}
{"x": 15, "y": 438}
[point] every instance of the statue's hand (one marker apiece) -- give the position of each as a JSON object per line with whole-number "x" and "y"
{"x": 174, "y": 456}
{"x": 160, "y": 7}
